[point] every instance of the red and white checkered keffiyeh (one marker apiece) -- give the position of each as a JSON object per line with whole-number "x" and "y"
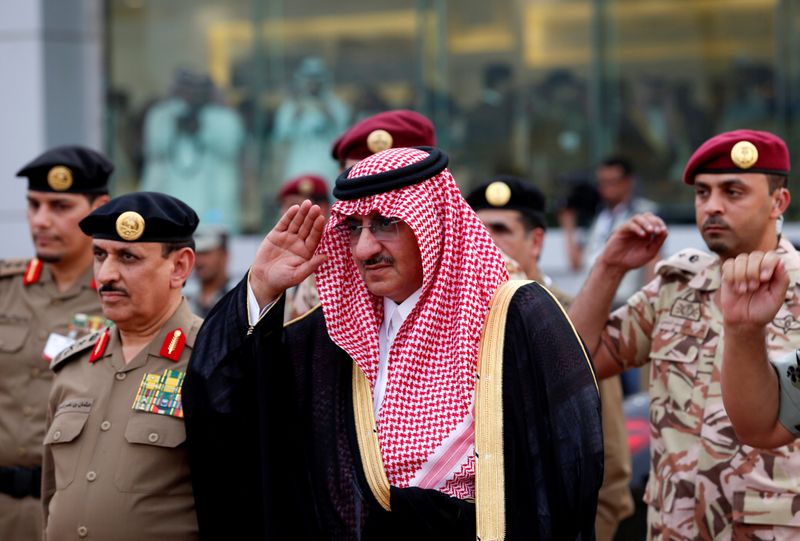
{"x": 425, "y": 429}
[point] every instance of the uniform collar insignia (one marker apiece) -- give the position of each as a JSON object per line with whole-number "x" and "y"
{"x": 100, "y": 346}
{"x": 173, "y": 345}
{"x": 32, "y": 272}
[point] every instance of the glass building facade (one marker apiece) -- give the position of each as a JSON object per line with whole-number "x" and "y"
{"x": 221, "y": 102}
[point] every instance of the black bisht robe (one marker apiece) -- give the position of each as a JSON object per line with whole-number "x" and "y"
{"x": 273, "y": 450}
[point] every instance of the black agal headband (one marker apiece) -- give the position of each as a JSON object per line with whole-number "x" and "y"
{"x": 354, "y": 188}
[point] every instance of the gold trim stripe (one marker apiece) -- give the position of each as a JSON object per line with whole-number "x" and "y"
{"x": 367, "y": 434}
{"x": 490, "y": 498}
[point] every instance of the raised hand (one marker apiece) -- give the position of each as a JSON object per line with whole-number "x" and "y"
{"x": 635, "y": 243}
{"x": 753, "y": 289}
{"x": 286, "y": 255}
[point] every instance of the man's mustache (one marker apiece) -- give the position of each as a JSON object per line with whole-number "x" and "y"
{"x": 379, "y": 259}
{"x": 715, "y": 221}
{"x": 111, "y": 288}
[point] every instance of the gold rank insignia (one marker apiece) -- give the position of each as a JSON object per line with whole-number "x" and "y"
{"x": 379, "y": 140}
{"x": 498, "y": 194}
{"x": 305, "y": 187}
{"x": 744, "y": 154}
{"x": 130, "y": 225}
{"x": 59, "y": 178}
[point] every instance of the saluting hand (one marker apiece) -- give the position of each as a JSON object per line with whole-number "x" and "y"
{"x": 286, "y": 255}
{"x": 753, "y": 289}
{"x": 635, "y": 243}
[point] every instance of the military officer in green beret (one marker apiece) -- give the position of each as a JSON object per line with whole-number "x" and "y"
{"x": 45, "y": 304}
{"x": 115, "y": 462}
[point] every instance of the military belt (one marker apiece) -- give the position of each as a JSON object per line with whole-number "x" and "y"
{"x": 21, "y": 482}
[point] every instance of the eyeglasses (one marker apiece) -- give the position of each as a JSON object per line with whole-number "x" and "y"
{"x": 383, "y": 229}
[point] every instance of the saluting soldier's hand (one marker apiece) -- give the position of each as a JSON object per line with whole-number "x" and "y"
{"x": 286, "y": 255}
{"x": 753, "y": 289}
{"x": 635, "y": 243}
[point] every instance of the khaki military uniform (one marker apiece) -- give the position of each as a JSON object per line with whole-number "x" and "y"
{"x": 614, "y": 501}
{"x": 301, "y": 299}
{"x": 111, "y": 471}
{"x": 704, "y": 484}
{"x": 28, "y": 315}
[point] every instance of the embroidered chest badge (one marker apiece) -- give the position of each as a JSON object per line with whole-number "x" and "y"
{"x": 685, "y": 310}
{"x": 160, "y": 394}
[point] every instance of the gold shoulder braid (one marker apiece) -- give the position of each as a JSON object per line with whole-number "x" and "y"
{"x": 489, "y": 469}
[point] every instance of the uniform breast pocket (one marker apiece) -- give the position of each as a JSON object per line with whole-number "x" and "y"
{"x": 62, "y": 439}
{"x": 12, "y": 337}
{"x": 675, "y": 353}
{"x": 154, "y": 457}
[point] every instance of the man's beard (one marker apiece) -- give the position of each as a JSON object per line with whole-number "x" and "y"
{"x": 48, "y": 258}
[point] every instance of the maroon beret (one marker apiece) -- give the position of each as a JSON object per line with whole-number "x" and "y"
{"x": 739, "y": 151}
{"x": 311, "y": 186}
{"x": 390, "y": 129}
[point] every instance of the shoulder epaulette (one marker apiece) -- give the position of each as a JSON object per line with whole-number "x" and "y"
{"x": 688, "y": 262}
{"x": 80, "y": 345}
{"x": 12, "y": 267}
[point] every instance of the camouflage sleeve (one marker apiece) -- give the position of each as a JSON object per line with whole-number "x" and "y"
{"x": 628, "y": 332}
{"x": 788, "y": 369}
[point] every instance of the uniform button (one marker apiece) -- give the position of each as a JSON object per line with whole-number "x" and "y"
{"x": 153, "y": 437}
{"x": 42, "y": 334}
{"x": 83, "y": 531}
{"x": 21, "y": 451}
{"x": 57, "y": 435}
{"x": 27, "y": 410}
{"x": 105, "y": 425}
{"x": 91, "y": 476}
{"x": 35, "y": 372}
{"x": 120, "y": 376}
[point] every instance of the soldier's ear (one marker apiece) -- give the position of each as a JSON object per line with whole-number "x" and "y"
{"x": 182, "y": 265}
{"x": 780, "y": 202}
{"x": 99, "y": 201}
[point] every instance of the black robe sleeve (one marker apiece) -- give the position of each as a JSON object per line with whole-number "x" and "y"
{"x": 552, "y": 429}
{"x": 224, "y": 413}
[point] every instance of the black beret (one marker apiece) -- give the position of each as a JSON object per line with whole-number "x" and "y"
{"x": 142, "y": 217}
{"x": 506, "y": 192}
{"x": 353, "y": 188}
{"x": 68, "y": 169}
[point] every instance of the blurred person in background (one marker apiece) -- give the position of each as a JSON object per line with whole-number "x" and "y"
{"x": 616, "y": 185}
{"x": 193, "y": 148}
{"x": 46, "y": 303}
{"x": 308, "y": 121}
{"x": 210, "y": 280}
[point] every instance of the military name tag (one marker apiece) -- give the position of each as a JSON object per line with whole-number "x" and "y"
{"x": 686, "y": 310}
{"x": 160, "y": 394}
{"x": 56, "y": 343}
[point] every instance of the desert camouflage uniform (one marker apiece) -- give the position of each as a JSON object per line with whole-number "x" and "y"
{"x": 703, "y": 483}
{"x": 300, "y": 299}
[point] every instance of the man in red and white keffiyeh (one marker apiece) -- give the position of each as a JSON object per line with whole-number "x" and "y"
{"x": 406, "y": 273}
{"x": 427, "y": 383}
